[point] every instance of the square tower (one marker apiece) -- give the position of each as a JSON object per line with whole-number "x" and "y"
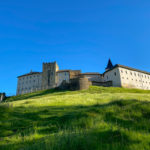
{"x": 49, "y": 75}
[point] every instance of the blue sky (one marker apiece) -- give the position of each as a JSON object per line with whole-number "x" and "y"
{"x": 78, "y": 34}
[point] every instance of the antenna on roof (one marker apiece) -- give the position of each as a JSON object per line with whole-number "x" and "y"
{"x": 31, "y": 71}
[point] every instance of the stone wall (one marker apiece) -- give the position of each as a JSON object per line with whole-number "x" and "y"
{"x": 2, "y": 96}
{"x": 76, "y": 84}
{"x": 49, "y": 75}
{"x": 92, "y": 76}
{"x": 105, "y": 84}
{"x": 74, "y": 74}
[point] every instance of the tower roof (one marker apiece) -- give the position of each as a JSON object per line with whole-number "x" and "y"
{"x": 109, "y": 65}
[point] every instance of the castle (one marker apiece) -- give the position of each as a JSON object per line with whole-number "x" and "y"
{"x": 51, "y": 77}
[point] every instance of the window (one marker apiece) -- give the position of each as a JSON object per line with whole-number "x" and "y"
{"x": 135, "y": 74}
{"x": 107, "y": 77}
{"x": 131, "y": 73}
{"x": 126, "y": 72}
{"x": 121, "y": 71}
{"x": 115, "y": 73}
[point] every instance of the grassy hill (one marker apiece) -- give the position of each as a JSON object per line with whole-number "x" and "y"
{"x": 95, "y": 119}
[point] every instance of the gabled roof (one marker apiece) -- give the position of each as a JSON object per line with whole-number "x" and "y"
{"x": 28, "y": 74}
{"x": 129, "y": 68}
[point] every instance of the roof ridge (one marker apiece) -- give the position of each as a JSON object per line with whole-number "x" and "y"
{"x": 130, "y": 68}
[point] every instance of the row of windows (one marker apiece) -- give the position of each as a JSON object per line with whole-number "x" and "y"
{"x": 135, "y": 74}
{"x": 139, "y": 86}
{"x": 66, "y": 74}
{"x": 30, "y": 88}
{"x": 28, "y": 82}
{"x": 30, "y": 77}
{"x": 136, "y": 80}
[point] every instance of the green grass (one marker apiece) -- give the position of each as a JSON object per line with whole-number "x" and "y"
{"x": 95, "y": 119}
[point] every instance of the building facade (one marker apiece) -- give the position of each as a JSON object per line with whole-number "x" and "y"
{"x": 92, "y": 76}
{"x": 29, "y": 83}
{"x": 51, "y": 77}
{"x": 66, "y": 75}
{"x": 127, "y": 77}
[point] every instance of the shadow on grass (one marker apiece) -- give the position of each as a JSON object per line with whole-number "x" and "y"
{"x": 91, "y": 140}
{"x": 127, "y": 114}
{"x": 35, "y": 95}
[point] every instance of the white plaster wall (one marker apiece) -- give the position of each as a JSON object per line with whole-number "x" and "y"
{"x": 28, "y": 84}
{"x": 134, "y": 79}
{"x": 61, "y": 76}
{"x": 114, "y": 76}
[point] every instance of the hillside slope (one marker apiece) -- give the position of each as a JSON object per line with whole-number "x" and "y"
{"x": 95, "y": 119}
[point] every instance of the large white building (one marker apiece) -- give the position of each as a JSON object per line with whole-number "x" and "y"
{"x": 123, "y": 76}
{"x": 30, "y": 82}
{"x": 51, "y": 77}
